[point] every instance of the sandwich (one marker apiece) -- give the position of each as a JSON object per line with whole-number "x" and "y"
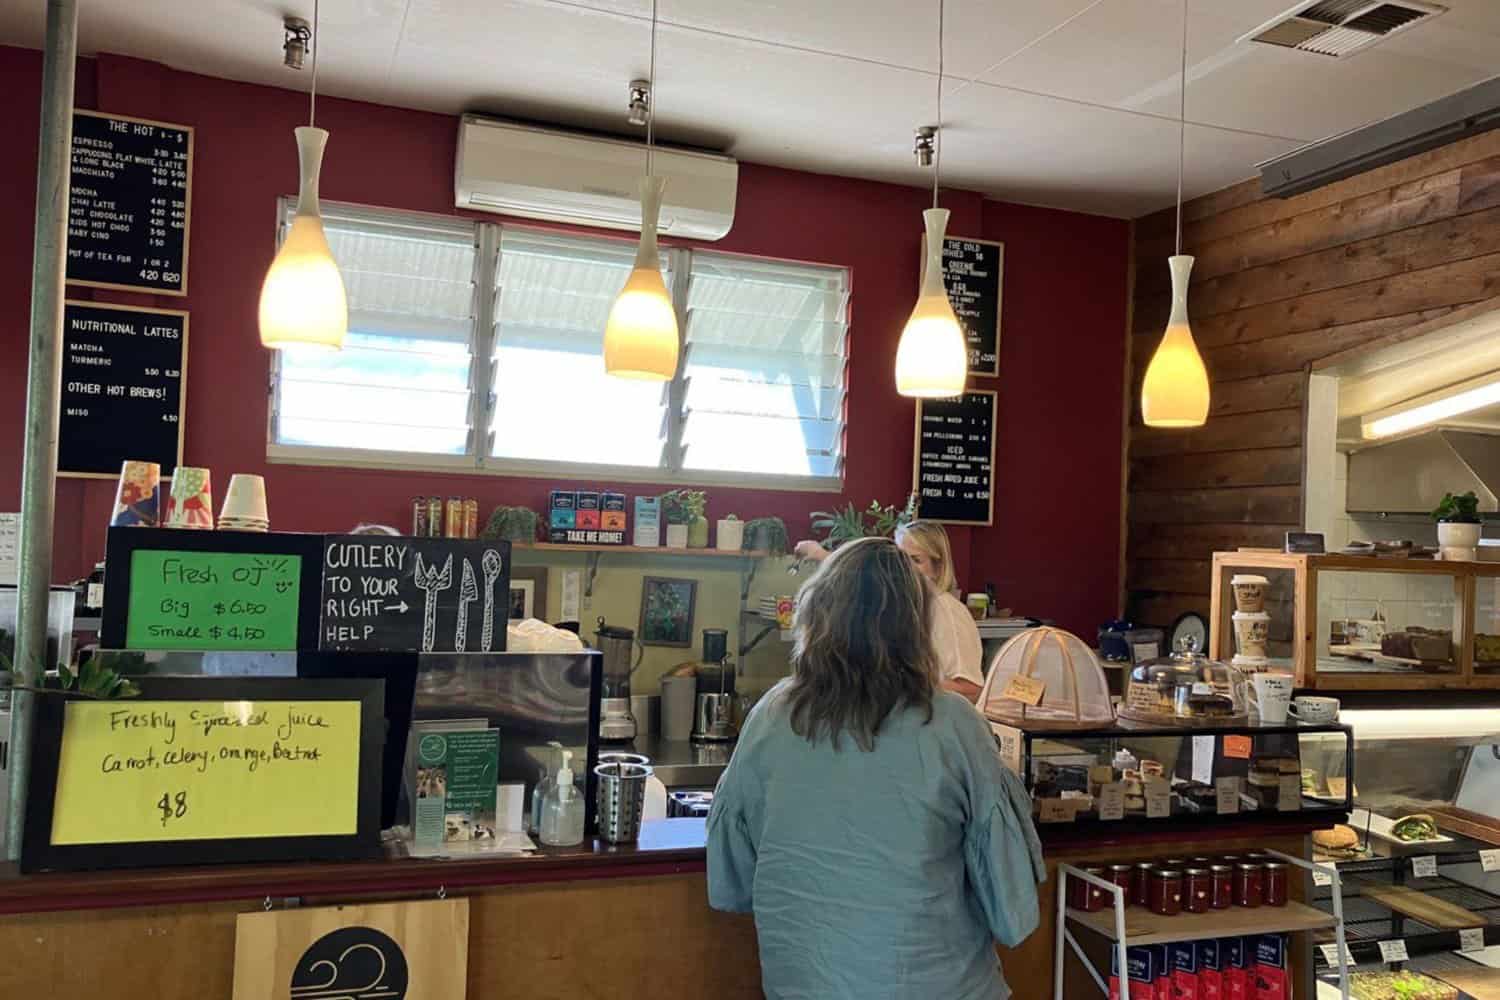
{"x": 1418, "y": 826}
{"x": 1340, "y": 843}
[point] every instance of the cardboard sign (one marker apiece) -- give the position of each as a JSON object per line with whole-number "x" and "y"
{"x": 1203, "y": 759}
{"x": 1424, "y": 866}
{"x": 1331, "y": 955}
{"x": 1322, "y": 878}
{"x": 213, "y": 600}
{"x": 1026, "y": 690}
{"x": 417, "y": 951}
{"x": 1011, "y": 749}
{"x": 1393, "y": 951}
{"x": 1112, "y": 801}
{"x": 1490, "y": 860}
{"x": 1158, "y": 798}
{"x": 1237, "y": 747}
{"x": 1471, "y": 939}
{"x": 1227, "y": 795}
{"x": 1055, "y": 810}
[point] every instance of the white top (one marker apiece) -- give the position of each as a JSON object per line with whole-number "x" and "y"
{"x": 955, "y": 638}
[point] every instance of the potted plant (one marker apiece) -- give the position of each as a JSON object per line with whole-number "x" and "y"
{"x": 1458, "y": 525}
{"x": 842, "y": 524}
{"x": 766, "y": 534}
{"x": 679, "y": 508}
{"x": 730, "y": 536}
{"x": 511, "y": 524}
{"x": 696, "y": 502}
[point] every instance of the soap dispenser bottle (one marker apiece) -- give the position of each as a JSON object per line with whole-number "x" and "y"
{"x": 562, "y": 813}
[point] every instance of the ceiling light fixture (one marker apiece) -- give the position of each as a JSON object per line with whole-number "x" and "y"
{"x": 1175, "y": 391}
{"x": 640, "y": 102}
{"x": 302, "y": 301}
{"x": 1432, "y": 408}
{"x": 932, "y": 358}
{"x": 924, "y": 145}
{"x": 640, "y": 338}
{"x": 294, "y": 47}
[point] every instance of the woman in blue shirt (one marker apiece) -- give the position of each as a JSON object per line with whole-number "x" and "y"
{"x": 865, "y": 818}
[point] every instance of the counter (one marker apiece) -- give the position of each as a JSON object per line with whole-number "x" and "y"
{"x": 679, "y": 763}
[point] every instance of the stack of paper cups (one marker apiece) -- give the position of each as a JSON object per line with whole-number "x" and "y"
{"x": 138, "y": 496}
{"x": 244, "y": 504}
{"x": 191, "y": 502}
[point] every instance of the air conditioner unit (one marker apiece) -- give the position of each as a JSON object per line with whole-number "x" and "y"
{"x": 539, "y": 173}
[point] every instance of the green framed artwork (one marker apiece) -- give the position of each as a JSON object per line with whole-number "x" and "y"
{"x": 667, "y": 611}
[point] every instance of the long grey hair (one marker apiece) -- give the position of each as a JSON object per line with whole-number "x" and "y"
{"x": 861, "y": 649}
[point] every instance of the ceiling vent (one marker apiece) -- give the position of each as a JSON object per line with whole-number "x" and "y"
{"x": 1339, "y": 28}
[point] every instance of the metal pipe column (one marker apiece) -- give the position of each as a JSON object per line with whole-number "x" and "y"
{"x": 39, "y": 466}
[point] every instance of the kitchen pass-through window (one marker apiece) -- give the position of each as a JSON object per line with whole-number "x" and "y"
{"x": 480, "y": 345}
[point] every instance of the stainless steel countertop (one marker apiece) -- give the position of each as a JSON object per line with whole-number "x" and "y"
{"x": 679, "y": 763}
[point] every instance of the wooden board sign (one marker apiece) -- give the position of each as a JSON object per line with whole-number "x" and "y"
{"x": 201, "y": 769}
{"x": 973, "y": 272}
{"x": 124, "y": 382}
{"x": 953, "y": 468}
{"x": 424, "y": 594}
{"x": 129, "y": 203}
{"x": 211, "y": 590}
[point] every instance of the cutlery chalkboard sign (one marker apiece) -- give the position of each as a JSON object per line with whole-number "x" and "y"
{"x": 972, "y": 273}
{"x": 122, "y": 388}
{"x": 128, "y": 208}
{"x": 445, "y": 595}
{"x": 955, "y": 458}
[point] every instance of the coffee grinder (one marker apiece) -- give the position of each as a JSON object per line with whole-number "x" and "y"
{"x": 620, "y": 660}
{"x": 713, "y": 722}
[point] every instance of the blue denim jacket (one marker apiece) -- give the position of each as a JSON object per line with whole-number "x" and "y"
{"x": 881, "y": 874}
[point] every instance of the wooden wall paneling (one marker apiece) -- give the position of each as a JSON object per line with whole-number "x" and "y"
{"x": 1252, "y": 505}
{"x": 1236, "y": 432}
{"x": 1256, "y": 467}
{"x": 1200, "y": 541}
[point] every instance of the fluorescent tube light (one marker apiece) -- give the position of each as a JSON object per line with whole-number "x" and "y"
{"x": 1433, "y": 408}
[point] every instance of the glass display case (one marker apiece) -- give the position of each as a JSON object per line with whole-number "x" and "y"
{"x": 1420, "y": 855}
{"x": 1141, "y": 772}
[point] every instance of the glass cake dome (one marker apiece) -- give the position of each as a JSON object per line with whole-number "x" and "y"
{"x": 1185, "y": 688}
{"x": 1046, "y": 678}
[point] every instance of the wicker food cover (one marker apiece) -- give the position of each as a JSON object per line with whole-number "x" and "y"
{"x": 1075, "y": 696}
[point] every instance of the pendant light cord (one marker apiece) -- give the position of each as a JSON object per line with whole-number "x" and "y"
{"x": 937, "y": 161}
{"x": 317, "y": 43}
{"x": 651, "y": 94}
{"x": 1181, "y": 124}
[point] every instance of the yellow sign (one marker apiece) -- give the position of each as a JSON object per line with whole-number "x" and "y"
{"x": 150, "y": 771}
{"x": 380, "y": 951}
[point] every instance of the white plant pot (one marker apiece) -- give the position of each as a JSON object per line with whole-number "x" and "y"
{"x": 1452, "y": 535}
{"x": 677, "y": 536}
{"x": 730, "y": 536}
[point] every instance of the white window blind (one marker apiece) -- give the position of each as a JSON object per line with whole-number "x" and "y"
{"x": 765, "y": 367}
{"x": 552, "y": 398}
{"x": 402, "y": 383}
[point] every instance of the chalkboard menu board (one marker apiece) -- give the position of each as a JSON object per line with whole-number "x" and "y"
{"x": 128, "y": 208}
{"x": 123, "y": 375}
{"x": 427, "y": 594}
{"x": 972, "y": 273}
{"x": 955, "y": 457}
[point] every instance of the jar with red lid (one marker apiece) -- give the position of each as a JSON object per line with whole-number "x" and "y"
{"x": 1221, "y": 897}
{"x": 1140, "y": 883}
{"x": 1166, "y": 892}
{"x": 1121, "y": 875}
{"x": 1274, "y": 892}
{"x": 1197, "y": 890}
{"x": 1085, "y": 895}
{"x": 1249, "y": 884}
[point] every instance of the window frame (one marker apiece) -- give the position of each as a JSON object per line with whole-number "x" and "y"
{"x": 483, "y": 400}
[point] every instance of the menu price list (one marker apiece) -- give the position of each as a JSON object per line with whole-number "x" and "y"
{"x": 955, "y": 458}
{"x": 122, "y": 385}
{"x": 971, "y": 274}
{"x": 128, "y": 205}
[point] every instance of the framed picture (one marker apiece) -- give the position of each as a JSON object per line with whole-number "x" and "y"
{"x": 667, "y": 611}
{"x": 528, "y": 592}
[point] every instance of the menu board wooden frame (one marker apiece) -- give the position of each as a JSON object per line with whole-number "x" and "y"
{"x": 39, "y": 854}
{"x": 916, "y": 459}
{"x": 181, "y": 377}
{"x": 187, "y": 205}
{"x": 999, "y": 245}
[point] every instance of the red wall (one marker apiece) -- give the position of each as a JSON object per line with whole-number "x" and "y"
{"x": 1053, "y": 550}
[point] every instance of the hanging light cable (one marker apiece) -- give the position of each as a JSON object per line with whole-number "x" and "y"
{"x": 640, "y": 338}
{"x": 302, "y": 303}
{"x": 932, "y": 357}
{"x": 1175, "y": 391}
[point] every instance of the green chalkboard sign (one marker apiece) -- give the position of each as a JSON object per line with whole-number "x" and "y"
{"x": 201, "y": 600}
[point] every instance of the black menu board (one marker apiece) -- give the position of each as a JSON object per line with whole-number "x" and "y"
{"x": 972, "y": 272}
{"x": 383, "y": 592}
{"x": 122, "y": 388}
{"x": 955, "y": 459}
{"x": 129, "y": 205}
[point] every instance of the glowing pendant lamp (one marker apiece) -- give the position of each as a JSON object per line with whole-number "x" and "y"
{"x": 932, "y": 358}
{"x": 640, "y": 338}
{"x": 302, "y": 303}
{"x": 1175, "y": 391}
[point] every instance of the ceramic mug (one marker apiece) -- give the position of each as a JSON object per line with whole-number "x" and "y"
{"x": 1273, "y": 694}
{"x": 1312, "y": 708}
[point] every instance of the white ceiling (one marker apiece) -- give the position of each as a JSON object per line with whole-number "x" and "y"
{"x": 1069, "y": 103}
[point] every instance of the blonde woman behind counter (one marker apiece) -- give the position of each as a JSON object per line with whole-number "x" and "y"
{"x": 955, "y": 637}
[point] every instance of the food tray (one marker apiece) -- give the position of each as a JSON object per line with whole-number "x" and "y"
{"x": 1379, "y": 828}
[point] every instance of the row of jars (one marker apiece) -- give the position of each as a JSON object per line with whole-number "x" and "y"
{"x": 1186, "y": 885}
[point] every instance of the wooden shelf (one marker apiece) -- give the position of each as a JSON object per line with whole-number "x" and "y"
{"x": 1144, "y": 927}
{"x": 640, "y": 550}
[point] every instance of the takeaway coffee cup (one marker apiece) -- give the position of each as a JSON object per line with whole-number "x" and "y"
{"x": 1313, "y": 708}
{"x": 1251, "y": 630}
{"x": 245, "y": 499}
{"x": 1249, "y": 592}
{"x": 1273, "y": 694}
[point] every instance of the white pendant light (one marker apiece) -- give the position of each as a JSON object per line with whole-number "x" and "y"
{"x": 932, "y": 358}
{"x": 640, "y": 338}
{"x": 1175, "y": 390}
{"x": 302, "y": 303}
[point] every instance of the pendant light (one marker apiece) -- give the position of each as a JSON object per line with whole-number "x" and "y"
{"x": 302, "y": 303}
{"x": 640, "y": 338}
{"x": 932, "y": 358}
{"x": 1175, "y": 391}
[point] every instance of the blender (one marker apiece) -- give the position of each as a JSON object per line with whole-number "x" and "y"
{"x": 618, "y": 646}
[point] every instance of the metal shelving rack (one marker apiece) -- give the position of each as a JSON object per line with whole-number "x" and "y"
{"x": 1292, "y": 918}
